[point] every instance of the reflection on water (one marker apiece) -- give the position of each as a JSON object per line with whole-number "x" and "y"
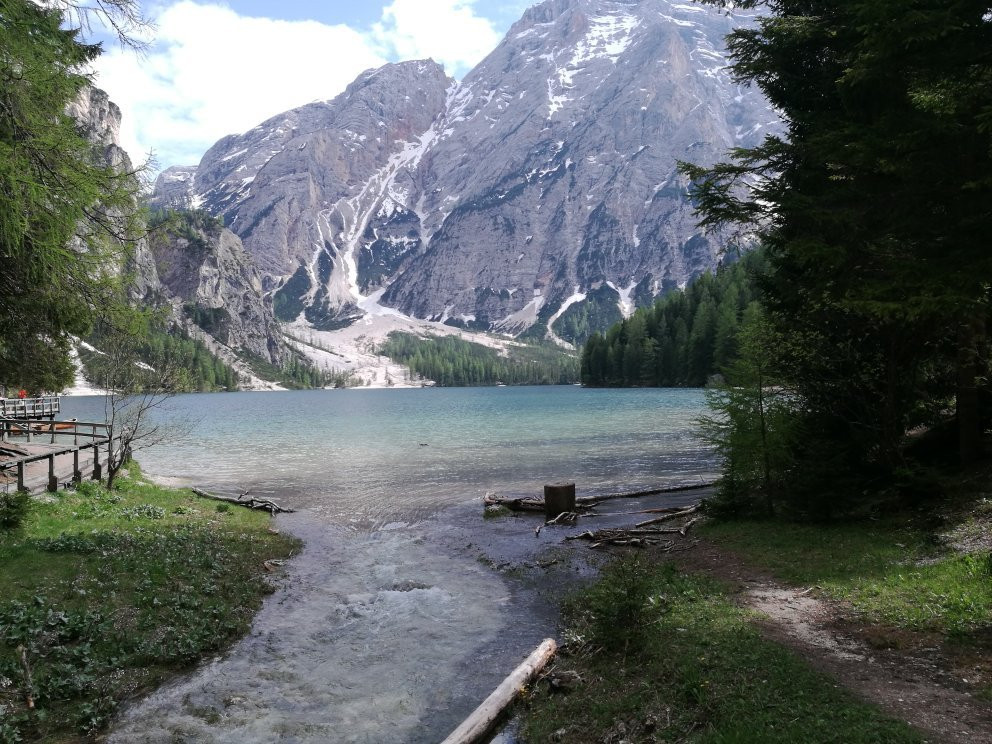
{"x": 389, "y": 628}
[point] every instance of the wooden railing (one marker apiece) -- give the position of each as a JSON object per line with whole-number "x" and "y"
{"x": 30, "y": 408}
{"x": 94, "y": 437}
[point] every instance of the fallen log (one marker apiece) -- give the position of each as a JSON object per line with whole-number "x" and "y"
{"x": 482, "y": 720}
{"x": 520, "y": 503}
{"x": 251, "y": 502}
{"x": 668, "y": 517}
{"x": 569, "y": 518}
{"x": 584, "y": 503}
{"x": 636, "y": 542}
{"x": 662, "y": 510}
{"x": 688, "y": 525}
{"x": 647, "y": 492}
{"x": 637, "y": 536}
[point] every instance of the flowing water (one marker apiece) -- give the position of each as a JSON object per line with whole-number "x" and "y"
{"x": 396, "y": 620}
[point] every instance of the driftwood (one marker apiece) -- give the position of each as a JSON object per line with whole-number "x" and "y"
{"x": 637, "y": 536}
{"x": 480, "y": 723}
{"x": 252, "y": 502}
{"x": 647, "y": 492}
{"x": 22, "y": 654}
{"x": 673, "y": 515}
{"x": 569, "y": 517}
{"x": 521, "y": 503}
{"x": 584, "y": 503}
{"x": 662, "y": 510}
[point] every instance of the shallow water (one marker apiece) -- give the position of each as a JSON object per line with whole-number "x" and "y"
{"x": 394, "y": 624}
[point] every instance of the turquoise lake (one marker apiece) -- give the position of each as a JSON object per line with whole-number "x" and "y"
{"x": 406, "y": 607}
{"x": 382, "y": 455}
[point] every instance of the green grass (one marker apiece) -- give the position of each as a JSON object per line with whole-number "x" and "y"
{"x": 666, "y": 657}
{"x": 111, "y": 592}
{"x": 889, "y": 572}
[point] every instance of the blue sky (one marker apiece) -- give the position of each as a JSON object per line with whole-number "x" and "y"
{"x": 363, "y": 12}
{"x": 216, "y": 67}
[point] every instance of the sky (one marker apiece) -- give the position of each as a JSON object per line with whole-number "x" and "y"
{"x": 216, "y": 67}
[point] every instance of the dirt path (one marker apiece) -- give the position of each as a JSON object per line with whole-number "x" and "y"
{"x": 917, "y": 682}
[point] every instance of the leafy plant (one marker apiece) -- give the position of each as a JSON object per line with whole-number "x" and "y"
{"x": 13, "y": 508}
{"x": 616, "y": 610}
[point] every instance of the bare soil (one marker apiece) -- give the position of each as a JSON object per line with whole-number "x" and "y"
{"x": 917, "y": 677}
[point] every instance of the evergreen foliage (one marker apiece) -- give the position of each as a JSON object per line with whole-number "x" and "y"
{"x": 156, "y": 345}
{"x": 753, "y": 423}
{"x": 298, "y": 373}
{"x": 599, "y": 310}
{"x": 683, "y": 340}
{"x": 873, "y": 210}
{"x": 66, "y": 215}
{"x": 454, "y": 362}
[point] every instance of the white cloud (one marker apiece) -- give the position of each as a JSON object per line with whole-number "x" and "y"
{"x": 447, "y": 30}
{"x": 212, "y": 72}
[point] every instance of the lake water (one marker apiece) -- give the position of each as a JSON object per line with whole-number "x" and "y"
{"x": 397, "y": 620}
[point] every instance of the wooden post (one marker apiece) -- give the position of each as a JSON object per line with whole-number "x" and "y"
{"x": 53, "y": 482}
{"x": 97, "y": 474}
{"x": 558, "y": 498}
{"x": 77, "y": 474}
{"x": 20, "y": 476}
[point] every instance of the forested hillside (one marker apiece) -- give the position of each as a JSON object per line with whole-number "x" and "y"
{"x": 200, "y": 371}
{"x": 685, "y": 338}
{"x": 453, "y": 362}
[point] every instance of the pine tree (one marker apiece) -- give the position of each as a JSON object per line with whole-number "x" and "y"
{"x": 872, "y": 208}
{"x": 66, "y": 216}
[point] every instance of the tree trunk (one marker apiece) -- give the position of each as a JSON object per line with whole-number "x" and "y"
{"x": 969, "y": 369}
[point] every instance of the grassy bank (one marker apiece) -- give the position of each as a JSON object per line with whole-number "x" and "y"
{"x": 889, "y": 573}
{"x": 667, "y": 657}
{"x": 108, "y": 593}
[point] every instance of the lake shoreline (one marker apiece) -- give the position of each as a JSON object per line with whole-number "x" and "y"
{"x": 406, "y": 607}
{"x": 108, "y": 594}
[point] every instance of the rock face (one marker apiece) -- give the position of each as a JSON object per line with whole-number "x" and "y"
{"x": 294, "y": 185}
{"x": 191, "y": 263}
{"x": 212, "y": 283}
{"x": 99, "y": 120}
{"x": 539, "y": 193}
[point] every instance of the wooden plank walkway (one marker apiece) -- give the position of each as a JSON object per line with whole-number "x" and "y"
{"x": 37, "y": 455}
{"x": 36, "y": 475}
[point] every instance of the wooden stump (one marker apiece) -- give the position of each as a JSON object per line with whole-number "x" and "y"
{"x": 558, "y": 498}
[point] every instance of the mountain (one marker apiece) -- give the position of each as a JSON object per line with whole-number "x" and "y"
{"x": 214, "y": 290}
{"x": 539, "y": 195}
{"x": 193, "y": 267}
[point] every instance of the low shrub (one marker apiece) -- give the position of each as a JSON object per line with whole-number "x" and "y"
{"x": 13, "y": 508}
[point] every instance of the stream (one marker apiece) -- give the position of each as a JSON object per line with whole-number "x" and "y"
{"x": 406, "y": 607}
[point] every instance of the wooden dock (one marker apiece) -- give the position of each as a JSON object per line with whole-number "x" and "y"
{"x": 38, "y": 454}
{"x": 45, "y": 407}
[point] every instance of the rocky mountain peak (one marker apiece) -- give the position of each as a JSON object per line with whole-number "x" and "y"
{"x": 541, "y": 192}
